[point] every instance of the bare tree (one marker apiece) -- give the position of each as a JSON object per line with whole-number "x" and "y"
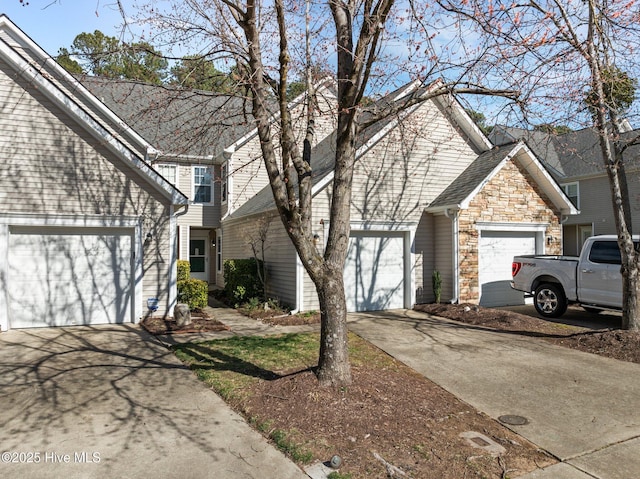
{"x": 577, "y": 63}
{"x": 371, "y": 43}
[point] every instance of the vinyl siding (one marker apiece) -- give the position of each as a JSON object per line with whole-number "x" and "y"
{"x": 247, "y": 166}
{"x": 424, "y": 253}
{"x": 596, "y": 206}
{"x": 50, "y": 165}
{"x": 280, "y": 255}
{"x": 443, "y": 263}
{"x": 409, "y": 168}
{"x": 397, "y": 179}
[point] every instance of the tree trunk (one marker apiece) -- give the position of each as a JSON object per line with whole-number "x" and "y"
{"x": 333, "y": 367}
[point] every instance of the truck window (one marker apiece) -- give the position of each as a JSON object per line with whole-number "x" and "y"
{"x": 606, "y": 252}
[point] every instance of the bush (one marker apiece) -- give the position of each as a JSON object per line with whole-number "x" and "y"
{"x": 194, "y": 292}
{"x": 184, "y": 270}
{"x": 241, "y": 279}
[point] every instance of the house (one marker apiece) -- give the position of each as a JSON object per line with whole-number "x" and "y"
{"x": 206, "y": 145}
{"x": 87, "y": 227}
{"x": 138, "y": 176}
{"x": 407, "y": 220}
{"x": 575, "y": 161}
{"x": 430, "y": 194}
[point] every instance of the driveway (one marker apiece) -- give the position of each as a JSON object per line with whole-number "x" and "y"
{"x": 582, "y": 408}
{"x": 112, "y": 402}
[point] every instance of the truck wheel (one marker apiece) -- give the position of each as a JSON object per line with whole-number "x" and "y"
{"x": 550, "y": 301}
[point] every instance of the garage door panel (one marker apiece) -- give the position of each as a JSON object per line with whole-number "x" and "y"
{"x": 496, "y": 252}
{"x": 374, "y": 272}
{"x": 62, "y": 277}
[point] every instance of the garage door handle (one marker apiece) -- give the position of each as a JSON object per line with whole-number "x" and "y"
{"x": 587, "y": 271}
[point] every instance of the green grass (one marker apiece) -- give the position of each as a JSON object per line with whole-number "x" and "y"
{"x": 229, "y": 365}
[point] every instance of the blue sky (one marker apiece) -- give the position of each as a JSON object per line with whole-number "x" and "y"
{"x": 53, "y": 24}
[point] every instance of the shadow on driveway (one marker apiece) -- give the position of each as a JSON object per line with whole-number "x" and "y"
{"x": 110, "y": 401}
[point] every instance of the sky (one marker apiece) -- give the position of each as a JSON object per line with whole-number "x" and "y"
{"x": 53, "y": 24}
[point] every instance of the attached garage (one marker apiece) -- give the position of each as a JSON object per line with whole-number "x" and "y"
{"x": 496, "y": 250}
{"x": 63, "y": 276}
{"x": 375, "y": 271}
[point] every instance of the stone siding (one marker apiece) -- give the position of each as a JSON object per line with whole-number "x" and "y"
{"x": 512, "y": 196}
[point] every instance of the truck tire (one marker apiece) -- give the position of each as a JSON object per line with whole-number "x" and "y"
{"x": 550, "y": 301}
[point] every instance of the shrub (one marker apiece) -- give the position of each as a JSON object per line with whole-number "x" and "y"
{"x": 184, "y": 270}
{"x": 194, "y": 292}
{"x": 436, "y": 279}
{"x": 242, "y": 280}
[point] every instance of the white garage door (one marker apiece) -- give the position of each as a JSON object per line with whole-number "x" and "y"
{"x": 374, "y": 271}
{"x": 496, "y": 252}
{"x": 69, "y": 276}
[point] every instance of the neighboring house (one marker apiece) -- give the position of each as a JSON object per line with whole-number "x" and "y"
{"x": 575, "y": 160}
{"x": 430, "y": 193}
{"x": 87, "y": 227}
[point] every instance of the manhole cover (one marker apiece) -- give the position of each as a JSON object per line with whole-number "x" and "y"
{"x": 513, "y": 420}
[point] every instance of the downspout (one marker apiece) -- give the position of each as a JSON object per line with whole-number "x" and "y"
{"x": 453, "y": 216}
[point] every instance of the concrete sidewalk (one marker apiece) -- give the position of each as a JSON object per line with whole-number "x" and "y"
{"x": 582, "y": 408}
{"x": 111, "y": 401}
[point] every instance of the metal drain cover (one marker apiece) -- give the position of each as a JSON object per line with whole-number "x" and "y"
{"x": 513, "y": 420}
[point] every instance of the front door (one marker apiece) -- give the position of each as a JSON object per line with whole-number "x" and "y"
{"x": 199, "y": 255}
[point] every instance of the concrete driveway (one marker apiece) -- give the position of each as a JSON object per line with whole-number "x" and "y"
{"x": 112, "y": 402}
{"x": 582, "y": 408}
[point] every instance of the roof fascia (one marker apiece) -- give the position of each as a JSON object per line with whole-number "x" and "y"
{"x": 374, "y": 139}
{"x": 535, "y": 168}
{"x": 6, "y": 23}
{"x": 57, "y": 96}
{"x": 549, "y": 185}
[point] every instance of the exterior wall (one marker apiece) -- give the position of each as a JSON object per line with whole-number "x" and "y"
{"x": 401, "y": 175}
{"x": 424, "y": 252}
{"x": 247, "y": 172}
{"x": 512, "y": 196}
{"x": 50, "y": 165}
{"x": 279, "y": 253}
{"x": 409, "y": 168}
{"x": 596, "y": 206}
{"x": 443, "y": 244}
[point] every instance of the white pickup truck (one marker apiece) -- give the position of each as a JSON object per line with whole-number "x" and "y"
{"x": 592, "y": 280}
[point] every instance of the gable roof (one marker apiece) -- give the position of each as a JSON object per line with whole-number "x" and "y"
{"x": 41, "y": 71}
{"x": 571, "y": 155}
{"x": 177, "y": 122}
{"x": 459, "y": 194}
{"x": 323, "y": 154}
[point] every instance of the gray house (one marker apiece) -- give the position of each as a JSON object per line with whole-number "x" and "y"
{"x": 575, "y": 161}
{"x": 106, "y": 184}
{"x": 87, "y": 227}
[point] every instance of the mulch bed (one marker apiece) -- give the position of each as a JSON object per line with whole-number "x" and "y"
{"x": 201, "y": 322}
{"x": 390, "y": 411}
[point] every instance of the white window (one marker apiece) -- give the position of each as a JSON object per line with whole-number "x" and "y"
{"x": 573, "y": 192}
{"x": 169, "y": 173}
{"x": 223, "y": 183}
{"x": 201, "y": 184}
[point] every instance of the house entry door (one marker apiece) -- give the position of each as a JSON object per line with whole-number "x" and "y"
{"x": 199, "y": 255}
